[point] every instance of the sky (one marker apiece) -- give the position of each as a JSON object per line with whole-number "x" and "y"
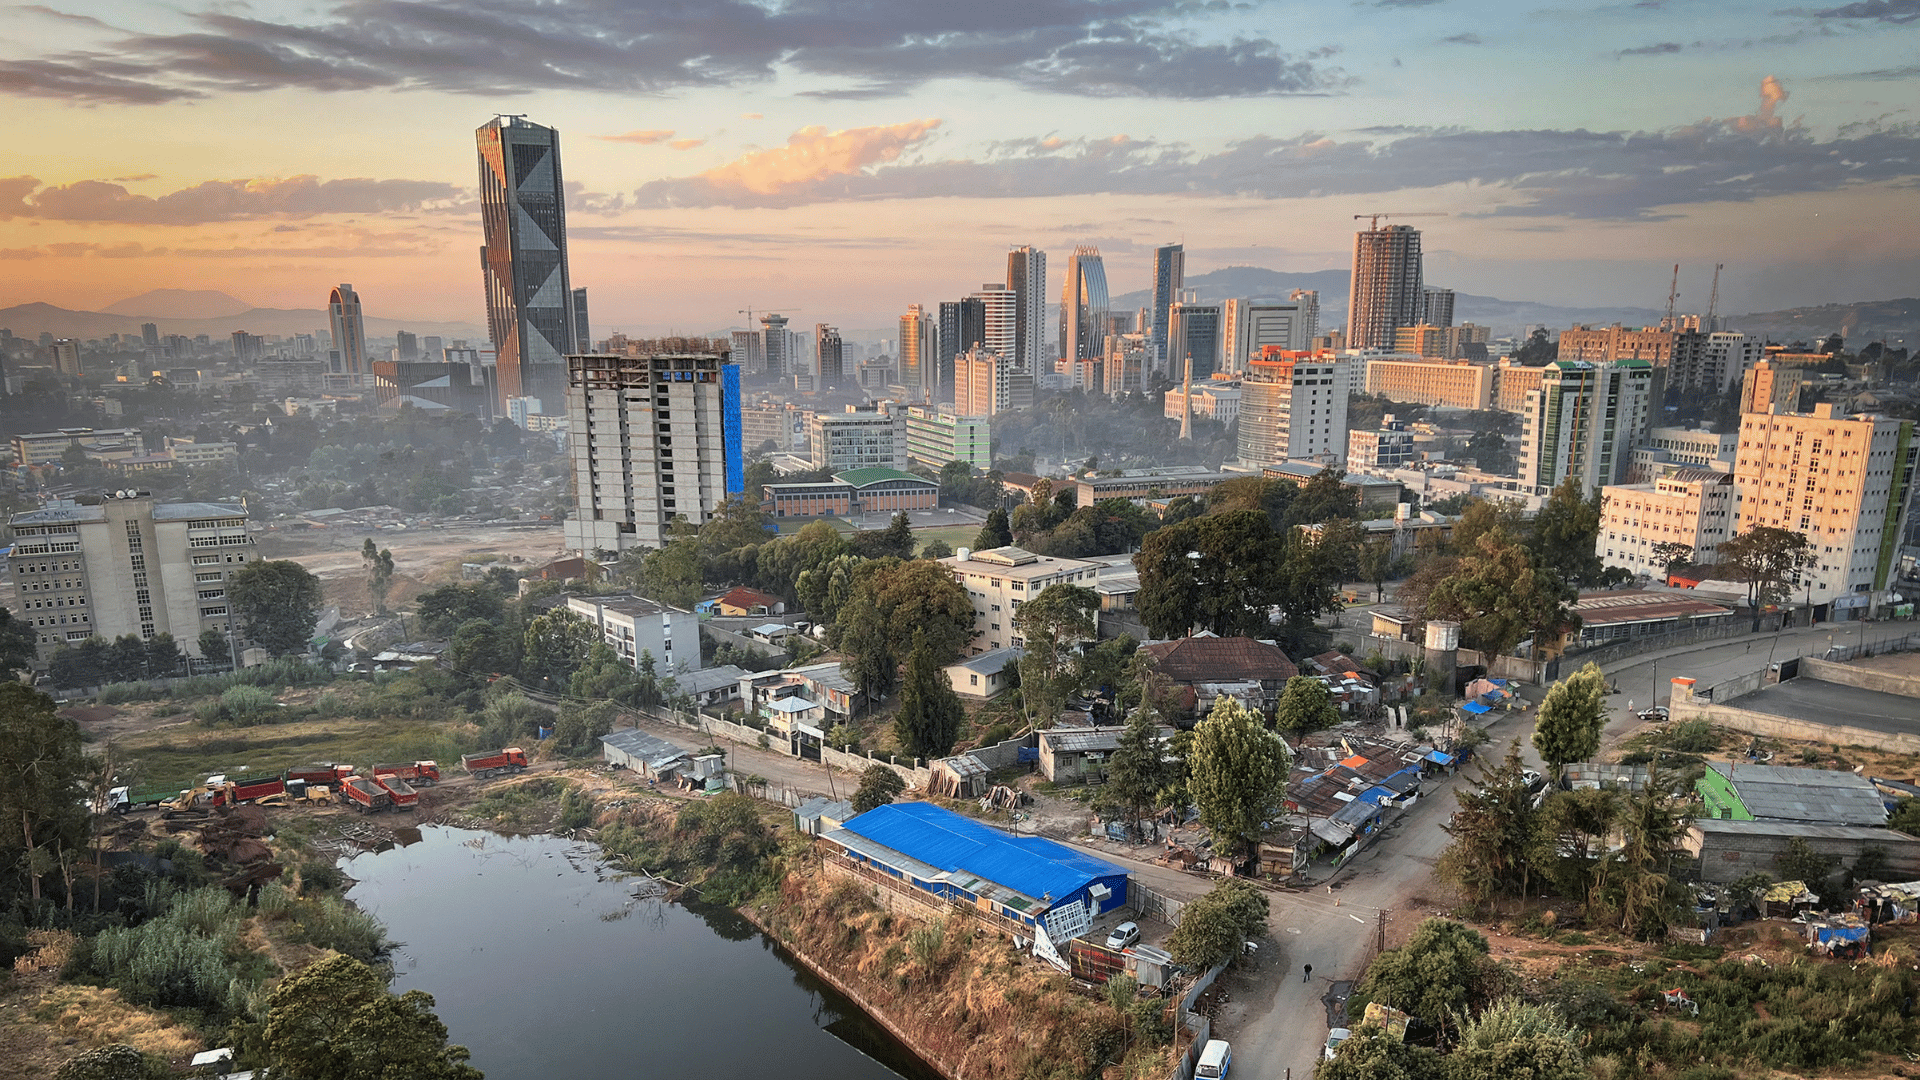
{"x": 841, "y": 159}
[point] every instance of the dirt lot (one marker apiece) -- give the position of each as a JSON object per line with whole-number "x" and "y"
{"x": 1906, "y": 663}
{"x": 422, "y": 559}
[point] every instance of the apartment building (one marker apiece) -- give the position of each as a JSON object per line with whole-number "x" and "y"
{"x": 1769, "y": 387}
{"x": 1293, "y": 407}
{"x": 1215, "y": 401}
{"x": 1458, "y": 384}
{"x": 985, "y": 383}
{"x": 936, "y": 436}
{"x": 1390, "y": 447}
{"x": 864, "y": 436}
{"x": 1583, "y": 423}
{"x": 1842, "y": 481}
{"x": 1668, "y": 446}
{"x": 999, "y": 580}
{"x": 44, "y": 447}
{"x": 633, "y": 625}
{"x": 128, "y": 565}
{"x": 1512, "y": 382}
{"x": 1687, "y": 505}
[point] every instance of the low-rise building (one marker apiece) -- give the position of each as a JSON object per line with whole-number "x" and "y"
{"x": 1218, "y": 401}
{"x": 1731, "y": 849}
{"x": 44, "y": 447}
{"x": 982, "y": 677}
{"x": 1687, "y": 505}
{"x": 1741, "y": 792}
{"x": 863, "y": 491}
{"x": 999, "y": 580}
{"x": 634, "y": 625}
{"x": 1141, "y": 485}
{"x": 864, "y": 436}
{"x": 1621, "y": 613}
{"x": 1195, "y": 663}
{"x": 1457, "y": 384}
{"x": 937, "y": 436}
{"x": 1390, "y": 447}
{"x": 1077, "y": 755}
{"x": 744, "y": 601}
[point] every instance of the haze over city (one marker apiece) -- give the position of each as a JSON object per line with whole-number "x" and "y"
{"x": 729, "y": 155}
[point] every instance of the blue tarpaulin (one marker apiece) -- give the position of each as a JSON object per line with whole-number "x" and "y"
{"x": 1378, "y": 795}
{"x": 1028, "y": 753}
{"x": 1475, "y": 708}
{"x": 1439, "y": 758}
{"x": 1841, "y": 934}
{"x": 1031, "y": 865}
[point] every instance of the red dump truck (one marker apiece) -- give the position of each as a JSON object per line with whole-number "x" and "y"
{"x": 365, "y": 794}
{"x": 329, "y": 775}
{"x": 422, "y": 773}
{"x": 495, "y": 763}
{"x": 399, "y": 792}
{"x": 246, "y": 789}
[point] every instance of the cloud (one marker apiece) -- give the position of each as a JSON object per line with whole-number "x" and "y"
{"x": 1661, "y": 49}
{"x": 752, "y": 116}
{"x": 1897, "y": 12}
{"x": 642, "y": 138}
{"x": 1528, "y": 173}
{"x": 218, "y": 200}
{"x": 687, "y": 144}
{"x": 1911, "y": 71}
{"x": 136, "y": 177}
{"x": 1463, "y": 39}
{"x": 1099, "y": 48}
{"x": 812, "y": 156}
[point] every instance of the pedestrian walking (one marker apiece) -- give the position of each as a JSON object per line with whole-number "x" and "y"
{"x": 1306, "y": 975}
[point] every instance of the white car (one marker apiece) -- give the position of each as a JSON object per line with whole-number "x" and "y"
{"x": 1334, "y": 1039}
{"x": 1123, "y": 935}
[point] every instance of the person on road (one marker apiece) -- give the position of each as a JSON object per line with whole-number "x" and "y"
{"x": 1306, "y": 974}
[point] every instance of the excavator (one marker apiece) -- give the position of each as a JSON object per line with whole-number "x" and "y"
{"x": 193, "y": 802}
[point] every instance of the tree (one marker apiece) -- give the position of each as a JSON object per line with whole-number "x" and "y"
{"x": 995, "y": 533}
{"x": 1053, "y": 626}
{"x": 379, "y": 565}
{"x": 116, "y": 1062}
{"x": 1562, "y": 540}
{"x": 1799, "y": 862}
{"x": 1637, "y": 882}
{"x": 1137, "y": 769}
{"x": 1221, "y": 573}
{"x": 1766, "y": 559}
{"x": 1499, "y": 598}
{"x": 1491, "y": 831}
{"x": 1313, "y": 568}
{"x": 447, "y": 608}
{"x": 1238, "y": 775}
{"x": 1213, "y": 925}
{"x": 1489, "y": 451}
{"x": 937, "y": 549}
{"x": 671, "y": 575}
{"x": 1305, "y": 705}
{"x": 1672, "y": 555}
{"x": 1512, "y": 1038}
{"x": 1324, "y": 497}
{"x": 213, "y": 645}
{"x": 335, "y": 1020}
{"x": 1375, "y": 563}
{"x": 1371, "y": 1054}
{"x": 930, "y": 713}
{"x": 482, "y": 648}
{"x": 1444, "y": 971}
{"x": 879, "y": 785}
{"x": 278, "y": 604}
{"x": 1569, "y": 835}
{"x": 1571, "y": 718}
{"x": 163, "y": 655}
{"x": 43, "y": 776}
{"x": 899, "y": 536}
{"x": 1537, "y": 350}
{"x": 556, "y": 643}
{"x": 887, "y": 603}
{"x": 16, "y": 642}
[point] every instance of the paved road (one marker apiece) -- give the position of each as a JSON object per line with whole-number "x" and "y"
{"x": 1832, "y": 703}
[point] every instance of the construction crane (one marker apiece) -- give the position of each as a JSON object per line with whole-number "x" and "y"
{"x": 1374, "y": 222}
{"x": 1673, "y": 297}
{"x": 1713, "y": 299}
{"x": 748, "y": 312}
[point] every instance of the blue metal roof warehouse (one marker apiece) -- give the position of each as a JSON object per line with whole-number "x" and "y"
{"x": 961, "y": 859}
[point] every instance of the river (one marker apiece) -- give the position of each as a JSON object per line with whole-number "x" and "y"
{"x": 544, "y": 965}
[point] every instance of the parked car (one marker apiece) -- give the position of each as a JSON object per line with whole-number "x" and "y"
{"x": 1123, "y": 935}
{"x": 1334, "y": 1039}
{"x": 1656, "y": 714}
{"x": 1215, "y": 1059}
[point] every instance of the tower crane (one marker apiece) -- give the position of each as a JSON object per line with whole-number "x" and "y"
{"x": 1374, "y": 222}
{"x": 748, "y": 312}
{"x": 1673, "y": 297}
{"x": 1713, "y": 299}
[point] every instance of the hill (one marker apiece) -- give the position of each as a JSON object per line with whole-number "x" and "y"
{"x": 1858, "y": 322}
{"x": 179, "y": 304}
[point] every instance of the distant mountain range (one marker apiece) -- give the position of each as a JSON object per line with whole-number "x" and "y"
{"x": 193, "y": 312}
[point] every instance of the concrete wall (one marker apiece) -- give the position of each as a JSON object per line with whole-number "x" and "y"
{"x": 1725, "y": 858}
{"x": 919, "y": 776}
{"x": 1885, "y": 682}
{"x": 1739, "y": 624}
{"x": 1781, "y": 727}
{"x": 1520, "y": 669}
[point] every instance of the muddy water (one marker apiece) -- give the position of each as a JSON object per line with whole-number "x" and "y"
{"x": 544, "y": 965}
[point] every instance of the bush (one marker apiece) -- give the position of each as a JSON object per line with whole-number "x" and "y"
{"x": 1693, "y": 737}
{"x": 246, "y": 705}
{"x": 317, "y": 876}
{"x": 178, "y": 959}
{"x": 328, "y": 922}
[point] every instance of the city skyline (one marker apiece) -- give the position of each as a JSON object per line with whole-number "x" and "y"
{"x": 847, "y": 178}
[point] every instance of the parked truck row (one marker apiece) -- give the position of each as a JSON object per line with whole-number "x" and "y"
{"x": 387, "y": 786}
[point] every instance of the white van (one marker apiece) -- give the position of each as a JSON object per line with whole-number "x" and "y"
{"x": 1215, "y": 1060}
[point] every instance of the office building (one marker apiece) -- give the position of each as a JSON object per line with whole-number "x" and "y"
{"x": 776, "y": 349}
{"x": 864, "y": 436}
{"x": 1293, "y": 406}
{"x": 1216, "y": 401}
{"x": 530, "y": 301}
{"x": 582, "y": 329}
{"x": 633, "y": 626}
{"x": 1768, "y": 387}
{"x": 406, "y": 345}
{"x": 653, "y": 437}
{"x": 1193, "y": 334}
{"x": 919, "y": 345}
{"x": 1386, "y": 293}
{"x": 1436, "y": 306}
{"x": 1583, "y": 423}
{"x": 782, "y": 424}
{"x": 1083, "y": 306}
{"x": 431, "y": 348}
{"x": 748, "y": 351}
{"x": 1169, "y": 285}
{"x": 349, "y": 334}
{"x": 1512, "y": 382}
{"x": 1027, "y": 279}
{"x": 1723, "y": 358}
{"x": 1454, "y": 384}
{"x": 999, "y": 321}
{"x": 150, "y": 335}
{"x": 872, "y": 490}
{"x": 1845, "y": 483}
{"x": 1307, "y": 301}
{"x": 1128, "y": 358}
{"x": 999, "y": 580}
{"x": 128, "y": 565}
{"x": 832, "y": 355}
{"x": 1693, "y": 446}
{"x": 963, "y": 325}
{"x": 434, "y": 387}
{"x": 1687, "y": 505}
{"x": 65, "y": 353}
{"x": 247, "y": 348}
{"x": 937, "y": 436}
{"x": 47, "y": 447}
{"x": 1380, "y": 451}
{"x": 986, "y": 383}
{"x": 1249, "y": 327}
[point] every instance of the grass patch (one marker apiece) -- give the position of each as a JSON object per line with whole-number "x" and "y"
{"x": 956, "y": 536}
{"x": 99, "y": 1016}
{"x": 183, "y": 756}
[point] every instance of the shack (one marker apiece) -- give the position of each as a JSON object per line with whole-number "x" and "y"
{"x": 646, "y": 755}
{"x": 1729, "y": 850}
{"x": 1077, "y": 756}
{"x": 820, "y": 814}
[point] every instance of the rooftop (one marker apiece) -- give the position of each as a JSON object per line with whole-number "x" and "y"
{"x": 959, "y": 846}
{"x": 1635, "y": 605}
{"x": 184, "y": 511}
{"x": 1081, "y": 741}
{"x": 655, "y": 751}
{"x": 1819, "y": 796}
{"x": 1015, "y": 562}
{"x": 707, "y": 680}
{"x": 621, "y": 605}
{"x": 991, "y": 661}
{"x": 1216, "y": 659}
{"x": 867, "y": 477}
{"x": 745, "y": 597}
{"x": 1730, "y": 827}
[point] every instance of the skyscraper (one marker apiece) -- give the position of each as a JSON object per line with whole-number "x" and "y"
{"x": 654, "y": 436}
{"x": 747, "y": 354}
{"x": 1386, "y": 286}
{"x": 1193, "y": 330}
{"x": 349, "y": 334}
{"x": 1436, "y": 306}
{"x": 150, "y": 335}
{"x": 1308, "y": 300}
{"x": 832, "y": 353}
{"x": 1292, "y": 407}
{"x": 1169, "y": 278}
{"x": 582, "y": 333}
{"x": 1083, "y": 306}
{"x": 774, "y": 348}
{"x": 1583, "y": 423}
{"x": 963, "y": 324}
{"x": 1247, "y": 327}
{"x": 1027, "y": 277}
{"x": 999, "y": 319}
{"x": 530, "y": 303}
{"x": 919, "y": 345}
{"x": 406, "y": 345}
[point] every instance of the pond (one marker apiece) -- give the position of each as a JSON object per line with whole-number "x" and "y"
{"x": 544, "y": 963}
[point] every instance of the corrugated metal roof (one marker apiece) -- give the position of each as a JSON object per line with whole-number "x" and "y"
{"x": 964, "y": 765}
{"x": 1079, "y": 742}
{"x": 1731, "y": 827}
{"x": 1818, "y": 796}
{"x": 655, "y": 751}
{"x": 1030, "y": 865}
{"x": 991, "y": 661}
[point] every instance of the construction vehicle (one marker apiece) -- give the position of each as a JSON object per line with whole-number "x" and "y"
{"x": 511, "y": 759}
{"x": 121, "y": 800}
{"x": 320, "y": 774}
{"x": 299, "y": 793}
{"x": 193, "y": 802}
{"x": 246, "y": 789}
{"x": 399, "y": 792}
{"x": 421, "y": 773}
{"x": 370, "y": 797}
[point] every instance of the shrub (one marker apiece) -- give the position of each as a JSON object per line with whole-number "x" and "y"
{"x": 178, "y": 959}
{"x": 1693, "y": 737}
{"x": 328, "y": 922}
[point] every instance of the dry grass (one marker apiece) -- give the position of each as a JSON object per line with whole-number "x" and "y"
{"x": 98, "y": 1017}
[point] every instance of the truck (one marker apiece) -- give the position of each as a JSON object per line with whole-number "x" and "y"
{"x": 121, "y": 800}
{"x": 422, "y": 773}
{"x": 370, "y": 797}
{"x": 331, "y": 775}
{"x": 511, "y": 759}
{"x": 246, "y": 789}
{"x": 400, "y": 794}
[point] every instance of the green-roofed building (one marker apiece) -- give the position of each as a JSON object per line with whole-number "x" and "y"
{"x": 872, "y": 490}
{"x": 1584, "y": 422}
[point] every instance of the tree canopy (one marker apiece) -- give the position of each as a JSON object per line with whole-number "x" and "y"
{"x": 1237, "y": 775}
{"x": 930, "y": 715}
{"x": 335, "y": 1020}
{"x": 278, "y": 604}
{"x": 1571, "y": 718}
{"x": 1213, "y": 925}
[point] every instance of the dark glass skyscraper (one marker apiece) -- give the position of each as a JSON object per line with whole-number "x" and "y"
{"x": 530, "y": 302}
{"x": 963, "y": 324}
{"x": 1169, "y": 277}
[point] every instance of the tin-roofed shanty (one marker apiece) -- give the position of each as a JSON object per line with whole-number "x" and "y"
{"x": 956, "y": 857}
{"x": 1742, "y": 792}
{"x": 1076, "y": 755}
{"x": 1729, "y": 850}
{"x": 647, "y": 755}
